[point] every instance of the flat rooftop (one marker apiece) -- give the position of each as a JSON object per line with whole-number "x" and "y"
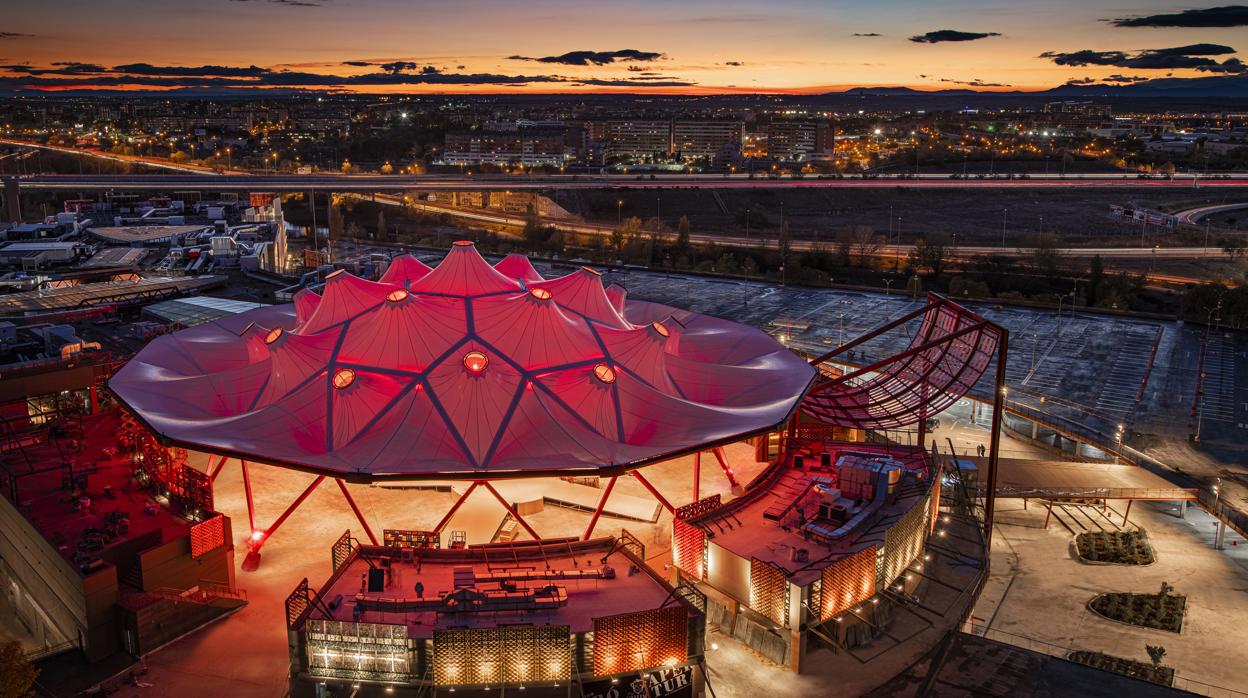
{"x": 583, "y": 576}
{"x": 116, "y": 256}
{"x": 83, "y": 523}
{"x": 1022, "y": 477}
{"x": 742, "y": 528}
{"x": 127, "y": 234}
{"x": 196, "y": 310}
{"x": 87, "y": 295}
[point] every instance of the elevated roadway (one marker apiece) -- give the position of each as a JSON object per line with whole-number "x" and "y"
{"x": 446, "y": 182}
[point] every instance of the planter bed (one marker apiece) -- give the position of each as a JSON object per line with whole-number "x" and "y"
{"x": 1115, "y": 547}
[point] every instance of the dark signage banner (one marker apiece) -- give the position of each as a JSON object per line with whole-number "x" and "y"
{"x": 676, "y": 682}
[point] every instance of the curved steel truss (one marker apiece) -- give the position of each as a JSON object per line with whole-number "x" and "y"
{"x": 951, "y": 350}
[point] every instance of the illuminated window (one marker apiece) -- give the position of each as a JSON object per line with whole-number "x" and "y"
{"x": 476, "y": 362}
{"x": 397, "y": 295}
{"x": 595, "y": 272}
{"x": 660, "y": 328}
{"x": 273, "y": 335}
{"x": 343, "y": 377}
{"x": 604, "y": 373}
{"x": 540, "y": 293}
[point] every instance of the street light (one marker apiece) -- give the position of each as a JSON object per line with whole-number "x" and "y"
{"x": 619, "y": 212}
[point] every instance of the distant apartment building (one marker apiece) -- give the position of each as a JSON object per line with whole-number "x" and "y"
{"x": 793, "y": 140}
{"x": 703, "y": 139}
{"x": 639, "y": 139}
{"x": 526, "y": 146}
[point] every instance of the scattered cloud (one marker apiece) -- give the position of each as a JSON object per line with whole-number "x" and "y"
{"x": 975, "y": 83}
{"x": 1232, "y": 66}
{"x": 865, "y": 34}
{"x": 14, "y": 35}
{"x": 1226, "y": 16}
{"x": 593, "y": 57}
{"x": 1195, "y": 50}
{"x": 179, "y": 71}
{"x": 86, "y": 76}
{"x": 944, "y": 35}
{"x": 1192, "y": 57}
{"x": 734, "y": 64}
{"x": 292, "y": 3}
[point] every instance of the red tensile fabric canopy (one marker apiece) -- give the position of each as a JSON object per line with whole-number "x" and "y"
{"x": 465, "y": 370}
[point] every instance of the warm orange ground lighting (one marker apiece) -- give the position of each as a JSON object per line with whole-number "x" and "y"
{"x": 273, "y": 335}
{"x": 397, "y": 295}
{"x": 660, "y": 328}
{"x": 540, "y": 293}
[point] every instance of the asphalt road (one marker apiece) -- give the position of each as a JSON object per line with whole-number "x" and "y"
{"x": 345, "y": 183}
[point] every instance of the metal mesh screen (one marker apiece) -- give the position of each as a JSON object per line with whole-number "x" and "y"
{"x": 501, "y": 655}
{"x": 904, "y": 541}
{"x": 641, "y": 640}
{"x": 769, "y": 591}
{"x": 207, "y": 536}
{"x": 848, "y": 582}
{"x": 689, "y": 548}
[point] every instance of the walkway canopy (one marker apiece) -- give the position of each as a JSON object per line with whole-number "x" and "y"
{"x": 946, "y": 357}
{"x": 466, "y": 370}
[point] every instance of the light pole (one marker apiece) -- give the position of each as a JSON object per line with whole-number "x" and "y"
{"x": 619, "y": 212}
{"x": 1004, "y": 214}
{"x": 888, "y": 285}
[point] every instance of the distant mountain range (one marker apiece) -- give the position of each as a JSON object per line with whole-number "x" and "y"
{"x": 1213, "y": 86}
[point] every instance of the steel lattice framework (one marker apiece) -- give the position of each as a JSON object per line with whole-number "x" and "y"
{"x": 949, "y": 353}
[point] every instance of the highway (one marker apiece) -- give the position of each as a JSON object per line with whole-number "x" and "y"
{"x": 883, "y": 251}
{"x": 203, "y": 178}
{"x": 1193, "y": 215}
{"x": 378, "y": 183}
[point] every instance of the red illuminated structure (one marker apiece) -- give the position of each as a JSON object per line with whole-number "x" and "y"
{"x": 948, "y": 354}
{"x": 462, "y": 372}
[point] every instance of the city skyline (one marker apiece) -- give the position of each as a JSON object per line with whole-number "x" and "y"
{"x": 483, "y": 46}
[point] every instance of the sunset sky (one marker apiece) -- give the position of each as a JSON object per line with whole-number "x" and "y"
{"x": 539, "y": 46}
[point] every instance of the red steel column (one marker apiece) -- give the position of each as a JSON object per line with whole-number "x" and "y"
{"x": 653, "y": 490}
{"x": 257, "y": 541}
{"x": 214, "y": 472}
{"x": 455, "y": 507}
{"x": 697, "y": 474}
{"x": 514, "y": 514}
{"x": 998, "y": 406}
{"x": 359, "y": 516}
{"x": 251, "y": 506}
{"x": 602, "y": 503}
{"x": 723, "y": 463}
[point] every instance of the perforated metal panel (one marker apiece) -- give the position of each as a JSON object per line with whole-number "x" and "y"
{"x": 640, "y": 640}
{"x": 344, "y": 649}
{"x": 207, "y": 536}
{"x": 769, "y": 591}
{"x": 689, "y": 549}
{"x": 848, "y": 582}
{"x": 904, "y": 541}
{"x": 501, "y": 655}
{"x": 698, "y": 508}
